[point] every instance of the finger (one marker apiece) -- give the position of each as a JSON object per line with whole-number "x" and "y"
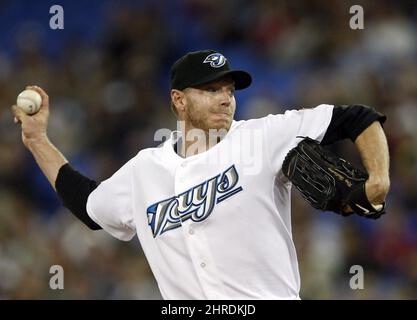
{"x": 347, "y": 210}
{"x": 15, "y": 120}
{"x": 19, "y": 114}
{"x": 39, "y": 90}
{"x": 44, "y": 95}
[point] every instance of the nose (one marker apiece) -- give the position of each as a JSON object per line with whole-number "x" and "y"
{"x": 225, "y": 98}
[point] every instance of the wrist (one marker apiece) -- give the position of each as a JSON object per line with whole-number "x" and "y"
{"x": 35, "y": 142}
{"x": 377, "y": 189}
{"x": 379, "y": 181}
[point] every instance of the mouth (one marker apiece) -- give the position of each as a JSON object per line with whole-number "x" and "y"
{"x": 221, "y": 114}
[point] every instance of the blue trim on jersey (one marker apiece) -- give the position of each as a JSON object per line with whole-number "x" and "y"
{"x": 220, "y": 199}
{"x": 196, "y": 203}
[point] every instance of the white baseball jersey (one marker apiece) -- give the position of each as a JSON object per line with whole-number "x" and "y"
{"x": 216, "y": 225}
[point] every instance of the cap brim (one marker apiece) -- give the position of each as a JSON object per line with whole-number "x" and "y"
{"x": 241, "y": 78}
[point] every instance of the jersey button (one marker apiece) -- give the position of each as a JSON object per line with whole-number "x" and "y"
{"x": 191, "y": 231}
{"x": 203, "y": 265}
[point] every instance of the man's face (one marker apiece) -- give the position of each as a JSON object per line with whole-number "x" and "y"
{"x": 211, "y": 105}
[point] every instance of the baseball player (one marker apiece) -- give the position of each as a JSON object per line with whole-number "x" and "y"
{"x": 211, "y": 224}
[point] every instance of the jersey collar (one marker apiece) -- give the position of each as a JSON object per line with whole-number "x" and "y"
{"x": 172, "y": 144}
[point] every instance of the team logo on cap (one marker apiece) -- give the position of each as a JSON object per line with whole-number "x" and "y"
{"x": 216, "y": 60}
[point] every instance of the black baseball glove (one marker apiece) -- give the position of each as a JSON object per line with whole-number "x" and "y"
{"x": 327, "y": 181}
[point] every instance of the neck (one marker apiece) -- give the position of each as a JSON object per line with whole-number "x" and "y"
{"x": 195, "y": 141}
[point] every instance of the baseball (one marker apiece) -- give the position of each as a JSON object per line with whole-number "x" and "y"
{"x": 29, "y": 101}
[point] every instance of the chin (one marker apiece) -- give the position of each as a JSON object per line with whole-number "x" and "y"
{"x": 220, "y": 122}
{"x": 218, "y": 125}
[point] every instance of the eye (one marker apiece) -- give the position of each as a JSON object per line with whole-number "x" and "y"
{"x": 211, "y": 89}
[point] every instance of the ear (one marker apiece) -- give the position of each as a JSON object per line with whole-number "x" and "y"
{"x": 178, "y": 100}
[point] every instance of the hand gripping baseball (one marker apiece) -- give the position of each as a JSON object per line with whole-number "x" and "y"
{"x": 34, "y": 126}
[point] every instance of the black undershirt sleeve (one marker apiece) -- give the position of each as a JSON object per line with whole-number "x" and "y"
{"x": 348, "y": 121}
{"x": 73, "y": 189}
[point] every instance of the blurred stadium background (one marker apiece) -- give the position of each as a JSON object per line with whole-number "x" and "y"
{"x": 107, "y": 77}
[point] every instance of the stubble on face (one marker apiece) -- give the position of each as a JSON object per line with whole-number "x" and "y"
{"x": 208, "y": 109}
